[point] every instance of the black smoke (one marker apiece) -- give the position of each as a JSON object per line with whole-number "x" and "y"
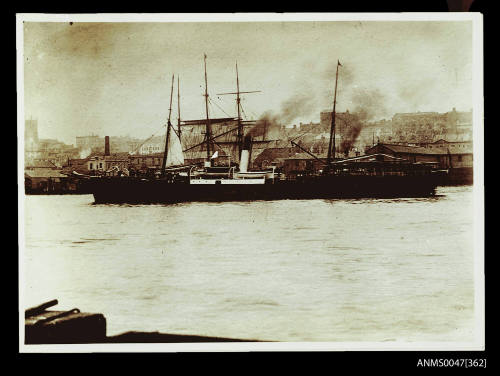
{"x": 351, "y": 129}
{"x": 369, "y": 104}
{"x": 268, "y": 126}
{"x": 365, "y": 104}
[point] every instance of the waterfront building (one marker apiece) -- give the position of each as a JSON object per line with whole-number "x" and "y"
{"x": 45, "y": 181}
{"x": 446, "y": 154}
{"x": 457, "y": 158}
{"x": 144, "y": 161}
{"x": 44, "y": 176}
{"x": 302, "y": 163}
{"x": 274, "y": 157}
{"x": 104, "y": 163}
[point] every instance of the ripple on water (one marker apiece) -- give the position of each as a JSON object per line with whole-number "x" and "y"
{"x": 286, "y": 270}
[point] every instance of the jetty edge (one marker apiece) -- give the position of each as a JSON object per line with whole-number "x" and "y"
{"x": 44, "y": 327}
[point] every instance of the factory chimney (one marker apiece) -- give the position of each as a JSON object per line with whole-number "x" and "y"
{"x": 106, "y": 145}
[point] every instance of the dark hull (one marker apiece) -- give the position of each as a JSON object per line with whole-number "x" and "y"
{"x": 130, "y": 190}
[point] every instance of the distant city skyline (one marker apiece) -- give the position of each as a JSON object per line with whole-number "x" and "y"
{"x": 160, "y": 134}
{"x": 114, "y": 78}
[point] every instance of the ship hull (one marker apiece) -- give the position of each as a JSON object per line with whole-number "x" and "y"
{"x": 135, "y": 191}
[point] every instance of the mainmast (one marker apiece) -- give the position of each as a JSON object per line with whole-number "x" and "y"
{"x": 208, "y": 130}
{"x": 165, "y": 153}
{"x": 332, "y": 128}
{"x": 238, "y": 107}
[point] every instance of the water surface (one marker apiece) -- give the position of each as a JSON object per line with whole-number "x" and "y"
{"x": 290, "y": 270}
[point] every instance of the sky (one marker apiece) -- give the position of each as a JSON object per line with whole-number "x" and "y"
{"x": 115, "y": 78}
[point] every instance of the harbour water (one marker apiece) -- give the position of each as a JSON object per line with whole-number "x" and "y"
{"x": 305, "y": 270}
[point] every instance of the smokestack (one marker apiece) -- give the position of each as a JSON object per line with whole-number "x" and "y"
{"x": 245, "y": 153}
{"x": 106, "y": 145}
{"x": 245, "y": 156}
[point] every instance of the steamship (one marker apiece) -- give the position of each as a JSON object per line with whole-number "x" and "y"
{"x": 371, "y": 176}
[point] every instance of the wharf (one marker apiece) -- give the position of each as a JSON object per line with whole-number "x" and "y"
{"x": 75, "y": 327}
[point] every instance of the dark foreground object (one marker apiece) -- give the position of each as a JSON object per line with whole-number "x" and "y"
{"x": 155, "y": 337}
{"x": 51, "y": 327}
{"x": 74, "y": 327}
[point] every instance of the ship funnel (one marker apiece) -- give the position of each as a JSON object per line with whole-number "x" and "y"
{"x": 245, "y": 154}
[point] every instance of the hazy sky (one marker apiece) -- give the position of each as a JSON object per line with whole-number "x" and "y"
{"x": 114, "y": 78}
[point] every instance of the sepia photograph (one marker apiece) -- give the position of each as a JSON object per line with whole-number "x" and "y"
{"x": 250, "y": 182}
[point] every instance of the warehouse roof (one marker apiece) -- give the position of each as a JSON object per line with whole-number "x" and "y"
{"x": 422, "y": 150}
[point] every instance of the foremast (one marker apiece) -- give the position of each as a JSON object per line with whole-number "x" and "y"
{"x": 332, "y": 127}
{"x": 169, "y": 125}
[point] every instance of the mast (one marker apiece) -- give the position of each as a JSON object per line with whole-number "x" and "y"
{"x": 208, "y": 130}
{"x": 240, "y": 127}
{"x": 238, "y": 107}
{"x": 212, "y": 139}
{"x": 178, "y": 110}
{"x": 165, "y": 153}
{"x": 332, "y": 128}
